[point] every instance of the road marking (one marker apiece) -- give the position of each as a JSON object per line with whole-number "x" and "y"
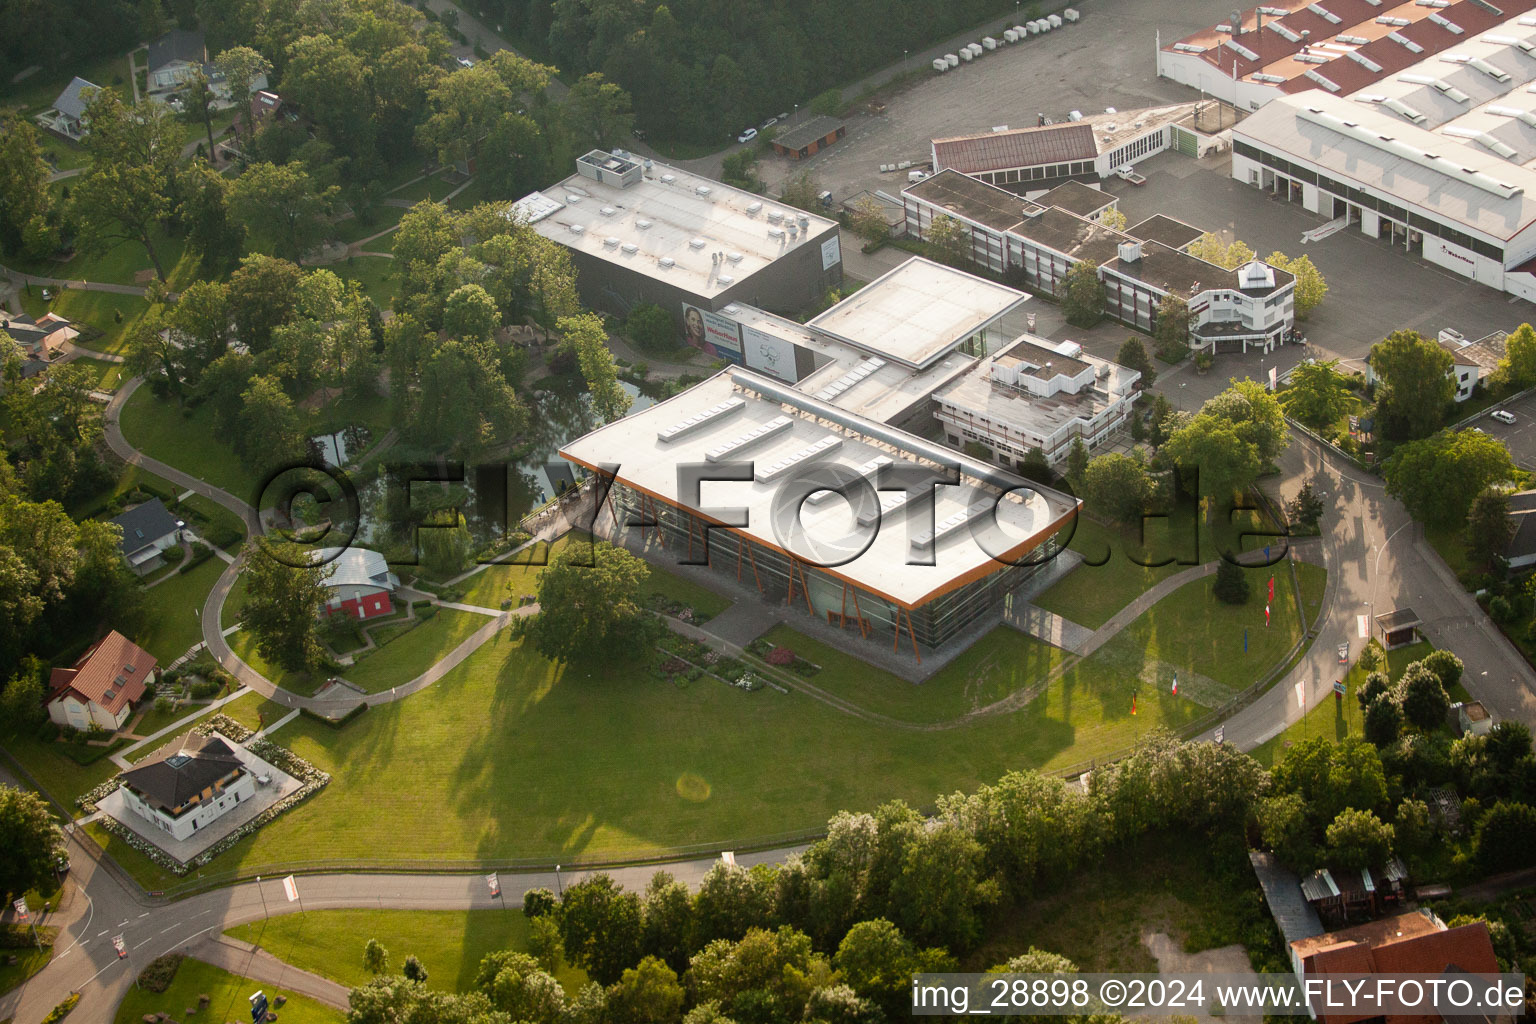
{"x": 102, "y": 932}
{"x": 145, "y": 914}
{"x": 170, "y": 929}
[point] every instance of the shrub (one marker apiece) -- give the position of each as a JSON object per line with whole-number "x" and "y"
{"x": 1506, "y": 837}
{"x": 204, "y": 689}
{"x": 780, "y": 656}
{"x": 538, "y": 903}
{"x": 173, "y": 555}
{"x": 61, "y": 1011}
{"x": 157, "y": 977}
{"x": 1372, "y": 657}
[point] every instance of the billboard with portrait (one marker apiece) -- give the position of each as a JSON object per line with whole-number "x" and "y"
{"x": 715, "y": 334}
{"x": 831, "y": 253}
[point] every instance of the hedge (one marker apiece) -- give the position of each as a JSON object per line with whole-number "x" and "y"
{"x": 90, "y": 755}
{"x": 19, "y": 936}
{"x": 61, "y": 1011}
{"x": 157, "y": 977}
{"x": 334, "y": 723}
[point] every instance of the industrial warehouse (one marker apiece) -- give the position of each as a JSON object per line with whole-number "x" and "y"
{"x": 643, "y": 232}
{"x": 805, "y": 503}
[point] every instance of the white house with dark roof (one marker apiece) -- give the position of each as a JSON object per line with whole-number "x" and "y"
{"x": 67, "y": 115}
{"x": 149, "y": 529}
{"x": 188, "y": 784}
{"x": 360, "y": 583}
{"x": 39, "y": 339}
{"x": 101, "y": 687}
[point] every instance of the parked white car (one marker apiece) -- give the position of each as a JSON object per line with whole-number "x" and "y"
{"x": 747, "y": 136}
{"x": 1503, "y": 416}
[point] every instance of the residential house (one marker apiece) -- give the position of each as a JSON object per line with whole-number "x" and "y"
{"x": 67, "y": 115}
{"x": 360, "y": 583}
{"x": 1521, "y": 549}
{"x": 188, "y": 784}
{"x": 1472, "y": 361}
{"x": 174, "y": 59}
{"x": 39, "y": 339}
{"x": 102, "y": 685}
{"x": 1416, "y": 942}
{"x": 1472, "y": 718}
{"x": 148, "y": 530}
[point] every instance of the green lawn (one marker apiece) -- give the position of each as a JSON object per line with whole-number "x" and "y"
{"x": 1336, "y": 719}
{"x": 175, "y": 609}
{"x": 523, "y": 759}
{"x": 1451, "y": 545}
{"x": 59, "y": 775}
{"x": 354, "y": 229}
{"x": 519, "y": 575}
{"x": 408, "y": 656}
{"x": 216, "y": 515}
{"x": 29, "y": 961}
{"x": 90, "y": 309}
{"x": 228, "y": 993}
{"x": 184, "y": 439}
{"x": 375, "y": 273}
{"x": 243, "y": 643}
{"x": 700, "y": 599}
{"x": 107, "y": 375}
{"x": 37, "y": 91}
{"x": 449, "y": 943}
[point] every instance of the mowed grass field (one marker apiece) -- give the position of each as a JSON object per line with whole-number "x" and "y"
{"x": 449, "y": 943}
{"x": 518, "y": 757}
{"x": 227, "y": 994}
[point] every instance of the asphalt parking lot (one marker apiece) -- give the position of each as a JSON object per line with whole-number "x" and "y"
{"x": 1519, "y": 436}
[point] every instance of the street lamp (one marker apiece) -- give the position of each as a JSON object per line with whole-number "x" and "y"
{"x": 904, "y": 61}
{"x": 559, "y": 889}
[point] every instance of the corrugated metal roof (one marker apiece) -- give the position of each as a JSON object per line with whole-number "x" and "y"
{"x": 1021, "y": 147}
{"x": 1319, "y": 885}
{"x": 1296, "y": 918}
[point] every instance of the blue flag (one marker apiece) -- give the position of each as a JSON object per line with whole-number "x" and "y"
{"x": 1245, "y": 641}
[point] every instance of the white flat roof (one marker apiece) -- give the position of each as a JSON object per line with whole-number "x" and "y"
{"x": 1360, "y": 143}
{"x": 916, "y": 313}
{"x": 658, "y": 218}
{"x": 789, "y": 425}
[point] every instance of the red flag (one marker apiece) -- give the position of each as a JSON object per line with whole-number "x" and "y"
{"x": 1271, "y": 588}
{"x": 1175, "y": 684}
{"x": 1133, "y": 703}
{"x": 1266, "y": 615}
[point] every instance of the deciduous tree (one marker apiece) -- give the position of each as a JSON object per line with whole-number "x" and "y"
{"x": 1359, "y": 839}
{"x": 590, "y": 610}
{"x": 1082, "y": 294}
{"x": 1438, "y": 478}
{"x": 31, "y": 838}
{"x": 284, "y": 592}
{"x": 1414, "y": 384}
{"x": 1133, "y": 355}
{"x": 587, "y": 337}
{"x": 282, "y": 208}
{"x": 1317, "y": 395}
{"x": 1117, "y": 486}
{"x": 600, "y": 924}
{"x": 1488, "y": 527}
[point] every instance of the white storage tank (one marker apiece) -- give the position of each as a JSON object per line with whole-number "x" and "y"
{"x": 940, "y": 64}
{"x": 1034, "y": 27}
{"x": 1070, "y": 14}
{"x": 953, "y": 60}
{"x": 1010, "y": 36}
{"x": 1021, "y": 31}
{"x": 1055, "y": 20}
{"x": 975, "y": 48}
{"x": 967, "y": 55}
{"x": 988, "y": 43}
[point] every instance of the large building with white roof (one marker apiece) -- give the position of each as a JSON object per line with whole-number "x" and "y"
{"x": 643, "y": 232}
{"x": 876, "y": 529}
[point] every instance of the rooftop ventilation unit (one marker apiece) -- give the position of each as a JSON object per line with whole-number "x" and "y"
{"x": 1527, "y": 117}
{"x": 1363, "y": 60}
{"x": 1476, "y": 179}
{"x": 1494, "y": 146}
{"x": 740, "y": 443}
{"x": 1404, "y": 41}
{"x": 1527, "y": 47}
{"x": 734, "y": 257}
{"x": 950, "y": 524}
{"x": 775, "y": 232}
{"x": 890, "y": 501}
{"x": 1494, "y": 108}
{"x": 1443, "y": 22}
{"x": 1416, "y": 79}
{"x": 1313, "y": 58}
{"x": 1460, "y": 132}
{"x": 577, "y": 229}
{"x": 725, "y": 279}
{"x": 1324, "y": 13}
{"x": 1397, "y": 106}
{"x": 753, "y": 207}
{"x": 630, "y": 248}
{"x": 711, "y": 415}
{"x": 774, "y": 216}
{"x": 872, "y": 466}
{"x": 1500, "y": 40}
{"x": 1390, "y": 19}
{"x": 826, "y": 446}
{"x": 1450, "y": 91}
{"x": 610, "y": 242}
{"x": 667, "y": 179}
{"x": 1494, "y": 72}
{"x": 1274, "y": 12}
{"x": 695, "y": 243}
{"x": 1188, "y": 48}
{"x": 850, "y": 378}
{"x": 608, "y": 211}
{"x": 1433, "y": 3}
{"x": 702, "y": 190}
{"x": 1322, "y": 80}
{"x": 1455, "y": 58}
{"x": 1239, "y": 48}
{"x": 1260, "y": 76}
{"x": 1284, "y": 32}
{"x": 1370, "y": 97}
{"x": 1353, "y": 40}
{"x": 642, "y": 223}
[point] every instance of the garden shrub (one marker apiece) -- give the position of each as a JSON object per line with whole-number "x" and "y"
{"x": 157, "y": 977}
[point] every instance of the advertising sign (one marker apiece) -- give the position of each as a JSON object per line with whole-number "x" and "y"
{"x": 714, "y": 333}
{"x": 773, "y": 356}
{"x": 831, "y": 253}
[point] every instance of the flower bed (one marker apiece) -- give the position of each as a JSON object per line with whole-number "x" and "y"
{"x": 693, "y": 660}
{"x": 783, "y": 657}
{"x": 311, "y": 779}
{"x": 680, "y": 610}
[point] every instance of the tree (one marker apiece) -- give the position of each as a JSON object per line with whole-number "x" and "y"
{"x": 1358, "y": 839}
{"x": 868, "y": 220}
{"x": 647, "y": 993}
{"x": 398, "y": 999}
{"x": 282, "y": 208}
{"x": 1255, "y": 414}
{"x": 375, "y": 957}
{"x": 1505, "y": 837}
{"x": 730, "y": 902}
{"x": 1118, "y": 487}
{"x": 1170, "y": 330}
{"x": 1212, "y": 249}
{"x": 26, "y": 202}
{"x": 470, "y": 314}
{"x": 1286, "y": 828}
{"x": 1438, "y": 478}
{"x": 1225, "y": 460}
{"x": 1133, "y": 355}
{"x": 878, "y": 962}
{"x": 1489, "y": 529}
{"x": 199, "y": 98}
{"x": 1035, "y": 466}
{"x": 1077, "y": 464}
{"x": 1317, "y": 395}
{"x": 1414, "y": 384}
{"x": 1310, "y": 286}
{"x": 128, "y": 190}
{"x": 1424, "y": 700}
{"x": 414, "y": 970}
{"x": 1113, "y": 219}
{"x": 263, "y": 294}
{"x": 1445, "y": 665}
{"x": 590, "y": 610}
{"x": 21, "y": 703}
{"x": 651, "y": 327}
{"x": 667, "y": 921}
{"x": 766, "y": 975}
{"x": 284, "y": 596}
{"x": 241, "y": 67}
{"x": 1231, "y": 586}
{"x": 204, "y": 210}
{"x": 803, "y": 192}
{"x": 1306, "y": 508}
{"x": 517, "y": 986}
{"x": 950, "y": 237}
{"x": 597, "y": 112}
{"x": 587, "y": 337}
{"x": 1082, "y": 294}
{"x": 1519, "y": 362}
{"x": 31, "y": 838}
{"x": 270, "y": 435}
{"x": 1383, "y": 721}
{"x": 600, "y": 926}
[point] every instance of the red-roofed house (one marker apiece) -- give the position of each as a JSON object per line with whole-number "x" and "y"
{"x": 101, "y": 687}
{"x": 1417, "y": 942}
